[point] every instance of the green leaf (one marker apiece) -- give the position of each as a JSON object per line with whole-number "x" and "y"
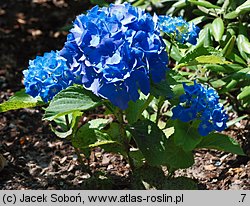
{"x": 218, "y": 83}
{"x": 232, "y": 122}
{"x": 228, "y": 49}
{"x": 235, "y": 58}
{"x": 190, "y": 56}
{"x": 20, "y": 100}
{"x": 87, "y": 138}
{"x": 175, "y": 52}
{"x": 162, "y": 89}
{"x": 228, "y": 86}
{"x": 208, "y": 39}
{"x": 62, "y": 134}
{"x": 217, "y": 28}
{"x": 101, "y": 143}
{"x": 150, "y": 140}
{"x": 209, "y": 59}
{"x": 185, "y": 135}
{"x": 205, "y": 4}
{"x": 220, "y": 142}
{"x": 243, "y": 8}
{"x": 245, "y": 93}
{"x": 231, "y": 15}
{"x": 198, "y": 20}
{"x": 84, "y": 137}
{"x": 99, "y": 123}
{"x": 68, "y": 124}
{"x": 74, "y": 98}
{"x": 243, "y": 43}
{"x": 114, "y": 131}
{"x": 225, "y": 68}
{"x": 201, "y": 38}
{"x": 196, "y": 58}
{"x": 178, "y": 90}
{"x": 134, "y": 110}
{"x": 137, "y": 157}
{"x": 175, "y": 157}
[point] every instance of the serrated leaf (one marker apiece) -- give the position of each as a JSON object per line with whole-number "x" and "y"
{"x": 99, "y": 123}
{"x": 134, "y": 110}
{"x": 20, "y": 100}
{"x": 87, "y": 138}
{"x": 176, "y": 157}
{"x": 114, "y": 131}
{"x": 162, "y": 89}
{"x": 185, "y": 136}
{"x": 74, "y": 98}
{"x": 150, "y": 140}
{"x": 220, "y": 142}
{"x": 217, "y": 28}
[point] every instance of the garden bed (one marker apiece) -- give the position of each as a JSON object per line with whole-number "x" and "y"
{"x": 36, "y": 158}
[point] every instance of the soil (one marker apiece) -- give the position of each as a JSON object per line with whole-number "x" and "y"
{"x": 36, "y": 158}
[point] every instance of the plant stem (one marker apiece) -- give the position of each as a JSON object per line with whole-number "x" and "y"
{"x": 124, "y": 139}
{"x": 149, "y": 99}
{"x": 170, "y": 49}
{"x": 67, "y": 121}
{"x": 87, "y": 169}
{"x": 159, "y": 106}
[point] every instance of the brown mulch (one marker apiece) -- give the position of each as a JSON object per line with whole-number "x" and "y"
{"x": 36, "y": 158}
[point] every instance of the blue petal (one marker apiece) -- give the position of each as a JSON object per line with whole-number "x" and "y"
{"x": 205, "y": 128}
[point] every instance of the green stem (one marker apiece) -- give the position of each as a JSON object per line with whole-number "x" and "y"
{"x": 149, "y": 99}
{"x": 159, "y": 106}
{"x": 124, "y": 138}
{"x": 87, "y": 169}
{"x": 67, "y": 121}
{"x": 170, "y": 49}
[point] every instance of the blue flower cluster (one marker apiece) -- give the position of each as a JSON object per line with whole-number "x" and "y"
{"x": 181, "y": 30}
{"x": 118, "y": 50}
{"x": 201, "y": 103}
{"x": 47, "y": 75}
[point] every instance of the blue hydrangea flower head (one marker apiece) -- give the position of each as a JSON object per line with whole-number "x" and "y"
{"x": 181, "y": 30}
{"x": 117, "y": 50}
{"x": 47, "y": 75}
{"x": 201, "y": 103}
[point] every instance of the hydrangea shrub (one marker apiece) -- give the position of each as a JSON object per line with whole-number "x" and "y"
{"x": 116, "y": 56}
